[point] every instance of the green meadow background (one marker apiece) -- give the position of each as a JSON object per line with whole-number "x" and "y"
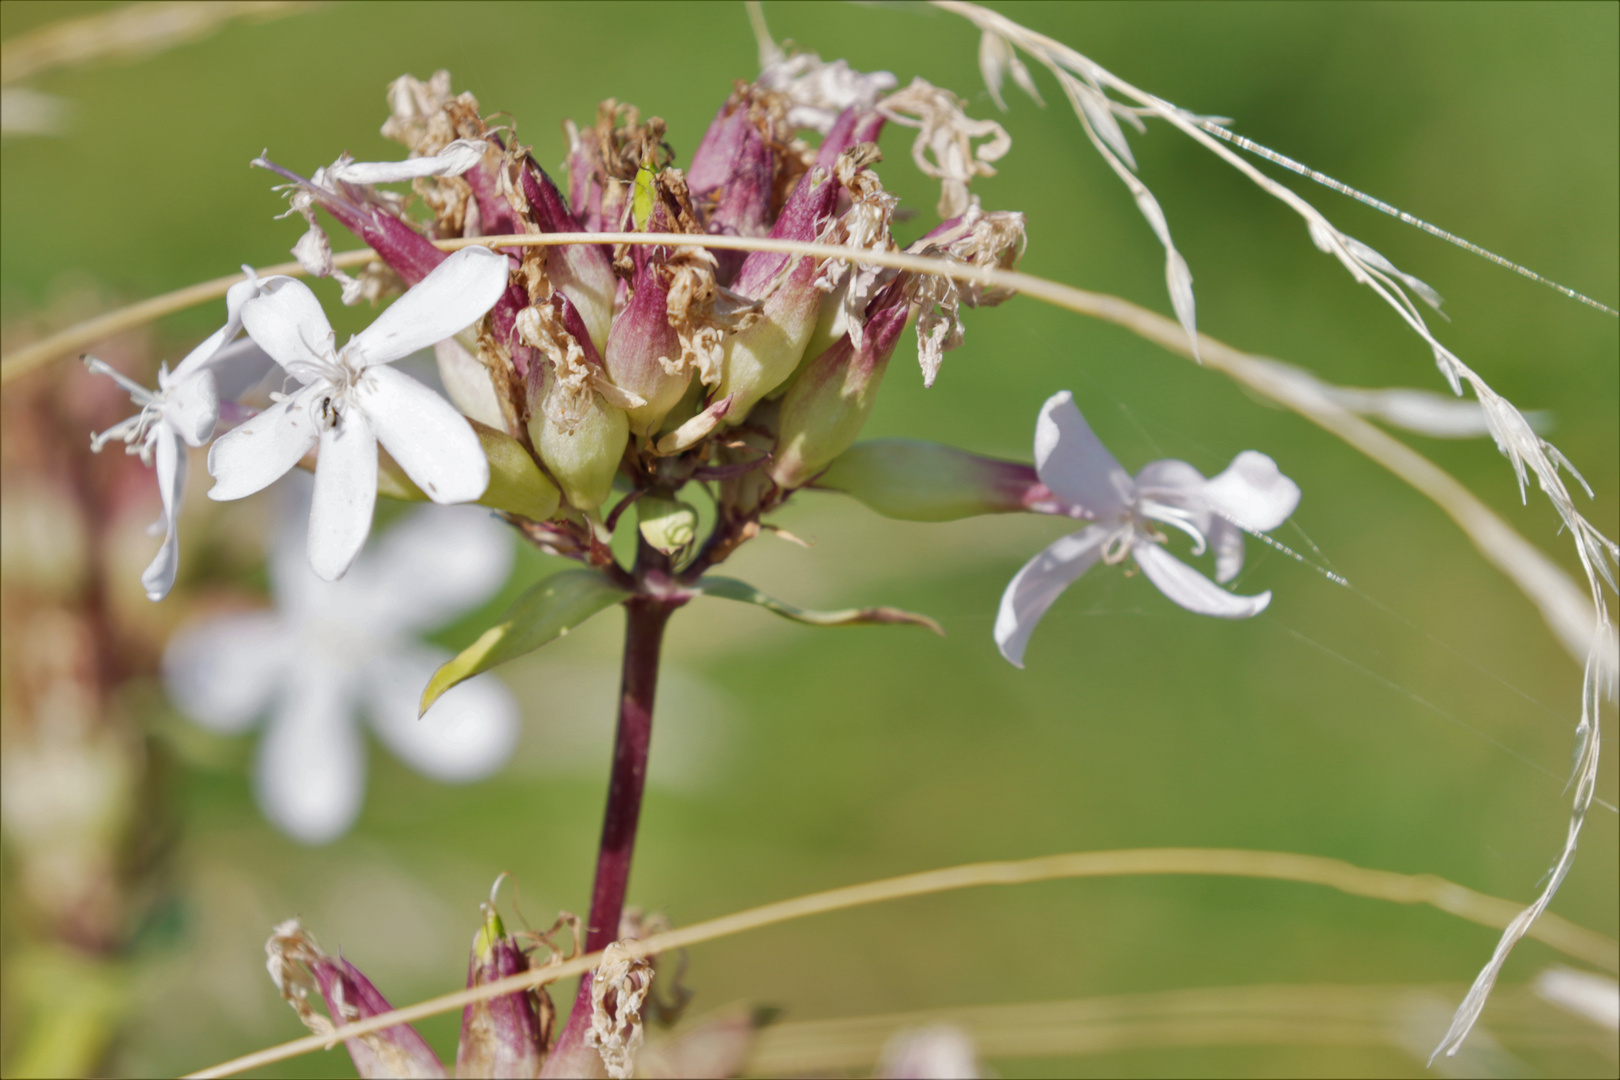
{"x": 1420, "y": 720}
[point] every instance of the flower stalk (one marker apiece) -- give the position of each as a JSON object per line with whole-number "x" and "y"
{"x": 646, "y": 614}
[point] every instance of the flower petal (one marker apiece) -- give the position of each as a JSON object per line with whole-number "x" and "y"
{"x": 1252, "y": 492}
{"x": 436, "y": 564}
{"x": 207, "y": 350}
{"x": 256, "y": 454}
{"x": 1168, "y": 480}
{"x": 1226, "y": 541}
{"x": 345, "y": 495}
{"x": 311, "y": 772}
{"x": 453, "y": 160}
{"x": 222, "y": 672}
{"x": 432, "y": 442}
{"x": 469, "y": 383}
{"x": 158, "y": 578}
{"x": 288, "y": 323}
{"x": 453, "y": 296}
{"x": 191, "y": 406}
{"x": 467, "y": 734}
{"x": 1192, "y": 590}
{"x": 1073, "y": 462}
{"x": 1034, "y": 588}
{"x": 239, "y": 367}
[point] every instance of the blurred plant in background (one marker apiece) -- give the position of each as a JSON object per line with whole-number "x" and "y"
{"x": 688, "y": 392}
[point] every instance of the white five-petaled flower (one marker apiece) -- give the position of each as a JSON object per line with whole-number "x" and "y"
{"x": 182, "y": 412}
{"x": 1250, "y": 495}
{"x": 330, "y": 649}
{"x": 351, "y": 400}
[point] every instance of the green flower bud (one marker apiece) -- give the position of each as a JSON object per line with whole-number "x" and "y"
{"x": 829, "y": 402}
{"x": 666, "y": 524}
{"x": 923, "y": 481}
{"x": 584, "y": 457}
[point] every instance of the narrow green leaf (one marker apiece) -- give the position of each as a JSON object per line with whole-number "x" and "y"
{"x": 732, "y": 589}
{"x": 516, "y": 484}
{"x": 544, "y": 613}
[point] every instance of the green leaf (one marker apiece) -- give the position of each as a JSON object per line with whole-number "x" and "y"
{"x": 544, "y": 613}
{"x": 732, "y": 589}
{"x": 516, "y": 484}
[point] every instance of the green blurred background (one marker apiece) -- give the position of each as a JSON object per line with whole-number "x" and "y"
{"x": 1419, "y": 721}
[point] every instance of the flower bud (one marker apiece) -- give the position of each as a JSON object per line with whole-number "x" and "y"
{"x": 579, "y": 435}
{"x": 924, "y": 481}
{"x": 504, "y": 1036}
{"x": 584, "y": 458}
{"x": 761, "y": 357}
{"x": 829, "y": 402}
{"x": 297, "y": 965}
{"x": 734, "y": 167}
{"x": 668, "y": 525}
{"x": 410, "y": 254}
{"x": 644, "y": 351}
{"x": 582, "y": 271}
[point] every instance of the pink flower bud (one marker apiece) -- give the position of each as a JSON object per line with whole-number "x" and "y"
{"x": 582, "y": 271}
{"x": 504, "y": 1036}
{"x": 924, "y": 481}
{"x": 830, "y": 400}
{"x": 736, "y": 169}
{"x": 644, "y": 351}
{"x": 410, "y": 254}
{"x": 761, "y": 357}
{"x": 298, "y": 965}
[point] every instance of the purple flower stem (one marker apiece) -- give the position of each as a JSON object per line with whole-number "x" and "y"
{"x": 646, "y": 615}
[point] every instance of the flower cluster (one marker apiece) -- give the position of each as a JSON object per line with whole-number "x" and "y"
{"x": 606, "y": 347}
{"x": 579, "y": 368}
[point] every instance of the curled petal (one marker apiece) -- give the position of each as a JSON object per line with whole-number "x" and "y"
{"x": 288, "y": 323}
{"x": 223, "y": 672}
{"x": 453, "y": 296}
{"x": 259, "y": 452}
{"x": 1192, "y": 590}
{"x": 1252, "y": 493}
{"x": 453, "y": 160}
{"x": 345, "y": 495}
{"x": 1034, "y": 588}
{"x": 311, "y": 770}
{"x": 467, "y": 734}
{"x": 432, "y": 442}
{"x": 1073, "y": 462}
{"x": 158, "y": 578}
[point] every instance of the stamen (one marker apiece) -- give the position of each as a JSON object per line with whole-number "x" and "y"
{"x": 140, "y": 394}
{"x": 1118, "y": 546}
{"x": 1177, "y": 519}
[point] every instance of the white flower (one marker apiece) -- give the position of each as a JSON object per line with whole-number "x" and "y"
{"x": 1251, "y": 495}
{"x": 328, "y": 650}
{"x": 351, "y": 400}
{"x": 182, "y": 412}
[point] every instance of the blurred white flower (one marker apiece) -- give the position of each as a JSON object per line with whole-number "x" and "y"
{"x": 351, "y": 400}
{"x": 329, "y": 650}
{"x": 182, "y": 412}
{"x": 936, "y": 1052}
{"x": 1250, "y": 495}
